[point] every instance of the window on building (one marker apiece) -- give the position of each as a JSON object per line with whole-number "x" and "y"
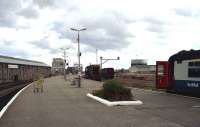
{"x": 194, "y": 69}
{"x": 61, "y": 64}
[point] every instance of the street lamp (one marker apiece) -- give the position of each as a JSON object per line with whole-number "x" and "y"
{"x": 78, "y": 29}
{"x": 64, "y": 61}
{"x": 79, "y": 54}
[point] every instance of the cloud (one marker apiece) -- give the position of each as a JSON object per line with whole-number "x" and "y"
{"x": 153, "y": 20}
{"x": 11, "y": 10}
{"x": 184, "y": 12}
{"x": 44, "y": 3}
{"x": 154, "y": 24}
{"x": 7, "y": 20}
{"x": 41, "y": 27}
{"x": 44, "y": 45}
{"x": 109, "y": 30}
{"x": 52, "y": 43}
{"x": 8, "y": 43}
{"x": 7, "y": 12}
{"x": 49, "y": 3}
{"x": 29, "y": 12}
{"x": 8, "y": 49}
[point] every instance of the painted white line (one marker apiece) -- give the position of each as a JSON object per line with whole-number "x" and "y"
{"x": 163, "y": 92}
{"x": 196, "y": 106}
{"x": 11, "y": 101}
{"x": 148, "y": 90}
{"x": 108, "y": 103}
{"x": 184, "y": 96}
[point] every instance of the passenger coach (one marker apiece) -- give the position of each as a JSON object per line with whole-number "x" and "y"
{"x": 94, "y": 72}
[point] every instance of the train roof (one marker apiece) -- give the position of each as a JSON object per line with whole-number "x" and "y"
{"x": 12, "y": 60}
{"x": 185, "y": 55}
{"x": 94, "y": 65}
{"x": 108, "y": 68}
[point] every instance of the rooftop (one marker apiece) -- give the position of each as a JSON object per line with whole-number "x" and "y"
{"x": 12, "y": 60}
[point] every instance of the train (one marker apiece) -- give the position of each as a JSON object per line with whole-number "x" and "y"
{"x": 180, "y": 74}
{"x": 15, "y": 69}
{"x": 94, "y": 72}
{"x": 107, "y": 73}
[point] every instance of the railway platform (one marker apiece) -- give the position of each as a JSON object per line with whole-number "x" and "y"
{"x": 63, "y": 105}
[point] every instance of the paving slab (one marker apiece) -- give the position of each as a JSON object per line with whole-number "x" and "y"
{"x": 61, "y": 105}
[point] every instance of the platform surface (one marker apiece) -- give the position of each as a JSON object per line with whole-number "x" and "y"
{"x": 61, "y": 105}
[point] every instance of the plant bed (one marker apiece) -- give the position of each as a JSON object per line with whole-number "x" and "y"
{"x": 113, "y": 93}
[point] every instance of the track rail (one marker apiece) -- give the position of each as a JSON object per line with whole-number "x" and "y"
{"x": 8, "y": 90}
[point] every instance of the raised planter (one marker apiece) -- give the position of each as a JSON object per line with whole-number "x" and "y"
{"x": 114, "y": 103}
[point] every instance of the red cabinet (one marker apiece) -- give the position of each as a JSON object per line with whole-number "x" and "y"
{"x": 162, "y": 74}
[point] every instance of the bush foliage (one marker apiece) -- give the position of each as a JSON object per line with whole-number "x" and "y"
{"x": 114, "y": 91}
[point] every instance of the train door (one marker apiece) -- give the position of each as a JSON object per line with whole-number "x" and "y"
{"x": 162, "y": 74}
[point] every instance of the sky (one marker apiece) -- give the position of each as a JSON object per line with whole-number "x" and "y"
{"x": 131, "y": 29}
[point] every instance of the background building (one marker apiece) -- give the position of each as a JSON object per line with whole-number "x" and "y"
{"x": 76, "y": 66}
{"x": 74, "y": 69}
{"x": 141, "y": 66}
{"x": 57, "y": 66}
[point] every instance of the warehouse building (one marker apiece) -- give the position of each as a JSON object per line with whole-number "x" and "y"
{"x": 16, "y": 69}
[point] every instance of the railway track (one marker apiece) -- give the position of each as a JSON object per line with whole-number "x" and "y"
{"x": 8, "y": 90}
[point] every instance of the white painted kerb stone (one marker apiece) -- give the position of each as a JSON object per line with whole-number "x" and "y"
{"x": 109, "y": 103}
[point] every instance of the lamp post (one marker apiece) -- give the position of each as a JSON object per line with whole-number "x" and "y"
{"x": 79, "y": 54}
{"x": 64, "y": 61}
{"x": 96, "y": 56}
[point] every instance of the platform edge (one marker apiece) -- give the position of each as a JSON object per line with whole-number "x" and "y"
{"x": 4, "y": 109}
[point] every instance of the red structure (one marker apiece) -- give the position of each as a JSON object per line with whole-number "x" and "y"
{"x": 162, "y": 74}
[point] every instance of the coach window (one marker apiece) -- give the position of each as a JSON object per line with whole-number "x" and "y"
{"x": 194, "y": 69}
{"x": 179, "y": 61}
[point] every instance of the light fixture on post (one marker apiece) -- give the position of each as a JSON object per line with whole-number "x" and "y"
{"x": 79, "y": 54}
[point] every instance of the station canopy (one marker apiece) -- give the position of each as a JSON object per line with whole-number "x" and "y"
{"x": 19, "y": 61}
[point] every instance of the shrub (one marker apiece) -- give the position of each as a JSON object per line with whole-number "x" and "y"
{"x": 99, "y": 93}
{"x": 114, "y": 91}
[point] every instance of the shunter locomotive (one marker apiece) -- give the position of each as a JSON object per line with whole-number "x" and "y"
{"x": 181, "y": 73}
